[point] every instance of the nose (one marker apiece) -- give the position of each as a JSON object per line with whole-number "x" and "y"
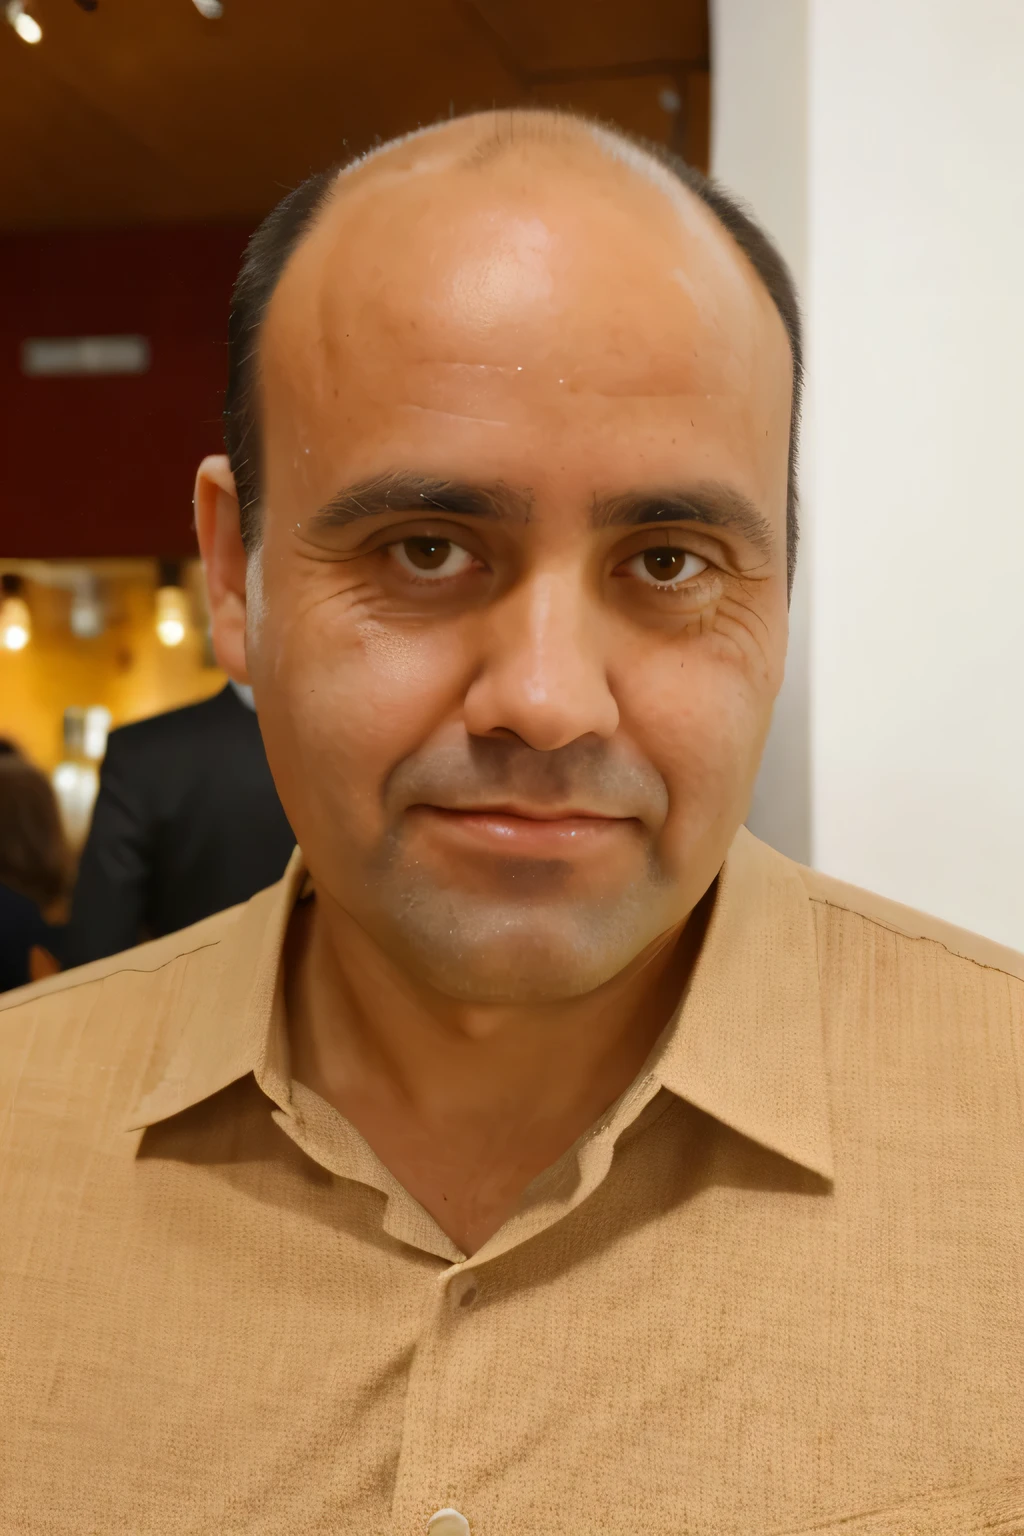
{"x": 544, "y": 673}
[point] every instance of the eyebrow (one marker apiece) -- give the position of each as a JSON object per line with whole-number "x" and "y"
{"x": 402, "y": 492}
{"x": 711, "y": 503}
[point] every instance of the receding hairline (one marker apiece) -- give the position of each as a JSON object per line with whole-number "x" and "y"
{"x": 485, "y": 138}
{"x": 479, "y": 140}
{"x": 561, "y": 135}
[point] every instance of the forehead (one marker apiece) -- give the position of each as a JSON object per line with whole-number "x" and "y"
{"x": 530, "y": 287}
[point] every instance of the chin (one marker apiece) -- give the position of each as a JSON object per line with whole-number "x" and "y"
{"x": 509, "y": 954}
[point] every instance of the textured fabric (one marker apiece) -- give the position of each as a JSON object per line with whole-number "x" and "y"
{"x": 187, "y": 822}
{"x": 776, "y": 1289}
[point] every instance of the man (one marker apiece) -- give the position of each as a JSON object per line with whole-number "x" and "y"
{"x": 187, "y": 822}
{"x": 544, "y": 1154}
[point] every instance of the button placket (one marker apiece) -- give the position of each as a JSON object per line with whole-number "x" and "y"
{"x": 434, "y": 1454}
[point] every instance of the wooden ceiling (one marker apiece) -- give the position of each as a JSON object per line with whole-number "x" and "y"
{"x": 146, "y": 113}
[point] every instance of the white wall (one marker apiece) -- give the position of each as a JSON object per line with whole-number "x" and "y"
{"x": 914, "y": 296}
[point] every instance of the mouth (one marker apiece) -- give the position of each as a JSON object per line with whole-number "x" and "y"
{"x": 525, "y": 831}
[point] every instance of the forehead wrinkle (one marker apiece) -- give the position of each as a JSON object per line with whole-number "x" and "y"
{"x": 437, "y": 410}
{"x": 569, "y": 378}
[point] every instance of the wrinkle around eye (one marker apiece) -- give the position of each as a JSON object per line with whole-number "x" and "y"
{"x": 435, "y": 410}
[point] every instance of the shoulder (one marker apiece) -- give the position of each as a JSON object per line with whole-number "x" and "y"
{"x": 77, "y": 1050}
{"x": 90, "y": 1002}
{"x": 923, "y": 1032}
{"x": 858, "y": 910}
{"x": 83, "y": 1047}
{"x": 157, "y": 732}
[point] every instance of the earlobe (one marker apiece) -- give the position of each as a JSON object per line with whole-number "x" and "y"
{"x": 218, "y": 529}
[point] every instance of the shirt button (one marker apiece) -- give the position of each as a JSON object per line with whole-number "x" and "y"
{"x": 464, "y": 1293}
{"x": 448, "y": 1522}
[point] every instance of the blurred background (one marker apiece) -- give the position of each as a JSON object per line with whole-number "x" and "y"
{"x": 880, "y": 141}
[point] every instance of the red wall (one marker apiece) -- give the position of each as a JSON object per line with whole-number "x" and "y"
{"x": 104, "y": 466}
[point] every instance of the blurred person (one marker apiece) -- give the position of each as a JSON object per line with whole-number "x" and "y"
{"x": 543, "y": 1154}
{"x": 34, "y": 869}
{"x": 187, "y": 822}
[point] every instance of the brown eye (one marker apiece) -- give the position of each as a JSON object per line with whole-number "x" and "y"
{"x": 427, "y": 554}
{"x": 664, "y": 564}
{"x": 427, "y": 558}
{"x": 665, "y": 567}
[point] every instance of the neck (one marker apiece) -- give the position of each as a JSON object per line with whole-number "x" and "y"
{"x": 354, "y": 1015}
{"x": 466, "y": 1103}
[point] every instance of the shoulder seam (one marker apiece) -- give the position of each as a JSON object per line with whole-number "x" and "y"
{"x": 89, "y": 981}
{"x": 927, "y": 938}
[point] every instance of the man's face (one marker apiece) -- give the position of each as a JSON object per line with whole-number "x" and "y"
{"x": 523, "y": 611}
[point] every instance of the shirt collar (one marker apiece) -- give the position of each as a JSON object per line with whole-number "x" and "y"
{"x": 746, "y": 1045}
{"x": 207, "y": 1040}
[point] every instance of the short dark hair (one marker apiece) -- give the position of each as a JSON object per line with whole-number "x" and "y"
{"x": 282, "y": 231}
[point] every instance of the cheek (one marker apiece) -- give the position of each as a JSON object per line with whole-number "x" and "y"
{"x": 702, "y": 719}
{"x": 343, "y": 699}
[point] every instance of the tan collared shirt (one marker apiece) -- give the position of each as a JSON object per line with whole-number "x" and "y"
{"x": 777, "y": 1288}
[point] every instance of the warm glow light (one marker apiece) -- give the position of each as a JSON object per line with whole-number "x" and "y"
{"x": 15, "y": 624}
{"x": 171, "y": 631}
{"x": 27, "y": 28}
{"x": 172, "y": 615}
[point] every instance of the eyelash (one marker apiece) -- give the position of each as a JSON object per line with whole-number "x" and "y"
{"x": 393, "y": 551}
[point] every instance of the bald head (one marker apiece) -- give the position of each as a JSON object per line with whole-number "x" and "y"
{"x": 364, "y": 228}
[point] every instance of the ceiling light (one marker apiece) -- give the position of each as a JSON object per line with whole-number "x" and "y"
{"x": 171, "y": 615}
{"x": 26, "y": 26}
{"x": 15, "y": 619}
{"x": 172, "y": 610}
{"x": 211, "y": 9}
{"x": 15, "y": 625}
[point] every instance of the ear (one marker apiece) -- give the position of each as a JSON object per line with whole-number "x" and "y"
{"x": 218, "y": 527}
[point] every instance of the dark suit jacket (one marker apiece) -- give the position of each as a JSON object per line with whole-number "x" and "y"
{"x": 187, "y": 822}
